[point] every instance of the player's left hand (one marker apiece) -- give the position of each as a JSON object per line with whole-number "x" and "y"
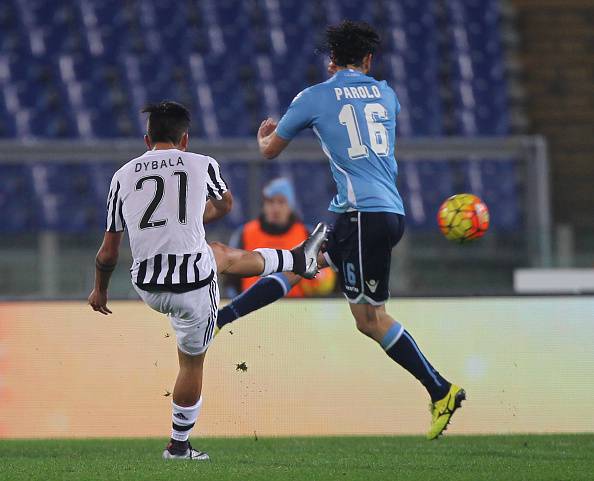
{"x": 266, "y": 128}
{"x": 98, "y": 301}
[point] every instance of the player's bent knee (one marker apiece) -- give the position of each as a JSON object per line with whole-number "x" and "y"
{"x": 366, "y": 318}
{"x": 218, "y": 247}
{"x": 222, "y": 254}
{"x": 191, "y": 347}
{"x": 191, "y": 361}
{"x": 366, "y": 326}
{"x": 192, "y": 340}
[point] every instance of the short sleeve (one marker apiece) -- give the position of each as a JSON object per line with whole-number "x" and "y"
{"x": 299, "y": 116}
{"x": 115, "y": 215}
{"x": 396, "y": 102}
{"x": 215, "y": 184}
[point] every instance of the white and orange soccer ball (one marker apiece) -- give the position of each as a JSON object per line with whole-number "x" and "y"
{"x": 463, "y": 217}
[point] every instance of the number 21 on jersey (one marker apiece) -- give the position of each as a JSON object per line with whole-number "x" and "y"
{"x": 147, "y": 221}
{"x": 378, "y": 136}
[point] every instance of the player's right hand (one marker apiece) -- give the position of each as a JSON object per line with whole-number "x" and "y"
{"x": 266, "y": 128}
{"x": 98, "y": 301}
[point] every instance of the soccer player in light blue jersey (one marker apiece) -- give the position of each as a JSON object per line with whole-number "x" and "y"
{"x": 354, "y": 117}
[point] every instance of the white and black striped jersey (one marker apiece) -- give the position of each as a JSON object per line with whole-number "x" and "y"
{"x": 160, "y": 198}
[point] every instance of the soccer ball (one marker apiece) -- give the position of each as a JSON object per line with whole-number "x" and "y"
{"x": 463, "y": 217}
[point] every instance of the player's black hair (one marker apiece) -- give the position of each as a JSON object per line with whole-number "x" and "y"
{"x": 348, "y": 42}
{"x": 167, "y": 121}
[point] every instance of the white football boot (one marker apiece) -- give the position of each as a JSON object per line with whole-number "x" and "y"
{"x": 190, "y": 453}
{"x": 307, "y": 253}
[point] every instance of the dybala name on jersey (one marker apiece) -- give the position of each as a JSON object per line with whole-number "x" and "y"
{"x": 155, "y": 164}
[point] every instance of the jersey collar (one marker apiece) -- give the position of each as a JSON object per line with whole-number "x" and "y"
{"x": 349, "y": 73}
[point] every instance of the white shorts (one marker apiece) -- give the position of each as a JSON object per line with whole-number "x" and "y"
{"x": 193, "y": 314}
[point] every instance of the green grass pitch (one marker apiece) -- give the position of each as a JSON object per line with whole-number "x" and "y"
{"x": 456, "y": 458}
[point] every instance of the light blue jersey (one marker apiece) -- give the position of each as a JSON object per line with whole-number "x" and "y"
{"x": 354, "y": 117}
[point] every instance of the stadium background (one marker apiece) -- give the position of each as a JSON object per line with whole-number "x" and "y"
{"x": 497, "y": 100}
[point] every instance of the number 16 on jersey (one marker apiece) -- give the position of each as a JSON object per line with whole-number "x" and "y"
{"x": 378, "y": 136}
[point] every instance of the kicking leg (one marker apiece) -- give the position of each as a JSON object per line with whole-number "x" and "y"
{"x": 237, "y": 261}
{"x": 300, "y": 260}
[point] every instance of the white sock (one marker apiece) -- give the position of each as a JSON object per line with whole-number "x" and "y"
{"x": 183, "y": 420}
{"x": 276, "y": 260}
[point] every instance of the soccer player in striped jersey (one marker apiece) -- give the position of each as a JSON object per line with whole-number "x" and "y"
{"x": 354, "y": 117}
{"x": 164, "y": 198}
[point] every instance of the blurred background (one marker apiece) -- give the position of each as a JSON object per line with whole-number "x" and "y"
{"x": 496, "y": 97}
{"x": 497, "y": 100}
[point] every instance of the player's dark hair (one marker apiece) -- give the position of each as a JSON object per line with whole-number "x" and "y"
{"x": 348, "y": 42}
{"x": 167, "y": 121}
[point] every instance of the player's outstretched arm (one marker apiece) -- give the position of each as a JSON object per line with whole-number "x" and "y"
{"x": 217, "y": 208}
{"x": 105, "y": 263}
{"x": 270, "y": 144}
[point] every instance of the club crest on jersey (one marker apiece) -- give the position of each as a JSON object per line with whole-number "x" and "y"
{"x": 372, "y": 284}
{"x": 156, "y": 164}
